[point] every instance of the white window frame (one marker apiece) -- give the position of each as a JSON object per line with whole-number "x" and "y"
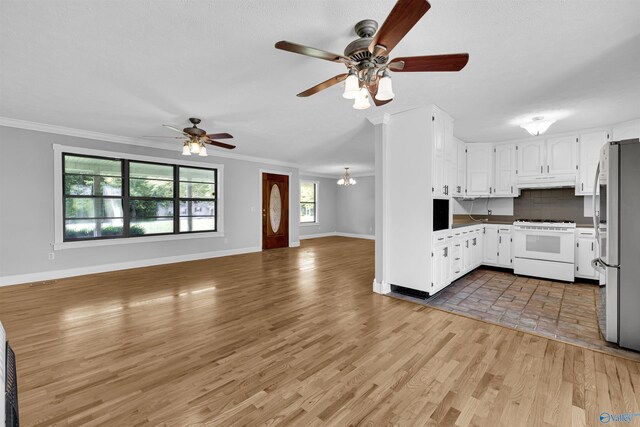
{"x": 59, "y": 242}
{"x": 317, "y": 197}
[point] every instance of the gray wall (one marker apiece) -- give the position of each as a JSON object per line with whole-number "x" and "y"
{"x": 326, "y": 204}
{"x": 356, "y": 207}
{"x": 27, "y": 207}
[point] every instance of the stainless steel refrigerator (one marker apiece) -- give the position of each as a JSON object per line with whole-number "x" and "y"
{"x": 617, "y": 225}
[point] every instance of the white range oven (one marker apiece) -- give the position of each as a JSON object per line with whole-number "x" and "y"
{"x": 544, "y": 249}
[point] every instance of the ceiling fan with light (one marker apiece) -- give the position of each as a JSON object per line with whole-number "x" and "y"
{"x": 367, "y": 58}
{"x": 196, "y": 138}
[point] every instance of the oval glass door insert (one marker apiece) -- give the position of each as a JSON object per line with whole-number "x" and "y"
{"x": 275, "y": 208}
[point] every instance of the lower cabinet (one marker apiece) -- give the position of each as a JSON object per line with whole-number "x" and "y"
{"x": 586, "y": 250}
{"x": 505, "y": 259}
{"x": 440, "y": 267}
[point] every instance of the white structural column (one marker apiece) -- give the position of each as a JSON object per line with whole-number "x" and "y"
{"x": 380, "y": 137}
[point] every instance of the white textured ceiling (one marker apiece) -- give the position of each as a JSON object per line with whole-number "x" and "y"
{"x": 125, "y": 67}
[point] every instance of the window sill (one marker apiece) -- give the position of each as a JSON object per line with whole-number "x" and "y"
{"x": 130, "y": 240}
{"x": 309, "y": 224}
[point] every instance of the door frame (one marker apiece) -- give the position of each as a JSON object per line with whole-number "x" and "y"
{"x": 292, "y": 222}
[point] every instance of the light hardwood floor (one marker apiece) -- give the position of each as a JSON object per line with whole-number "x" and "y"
{"x": 288, "y": 337}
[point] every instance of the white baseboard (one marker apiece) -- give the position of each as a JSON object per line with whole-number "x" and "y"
{"x": 317, "y": 235}
{"x": 59, "y": 274}
{"x": 294, "y": 244}
{"x": 338, "y": 233}
{"x": 356, "y": 236}
{"x": 381, "y": 287}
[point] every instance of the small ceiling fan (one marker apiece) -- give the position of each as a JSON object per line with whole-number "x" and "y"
{"x": 196, "y": 138}
{"x": 367, "y": 58}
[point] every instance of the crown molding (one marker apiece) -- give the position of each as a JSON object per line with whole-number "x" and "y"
{"x": 99, "y": 136}
{"x": 379, "y": 119}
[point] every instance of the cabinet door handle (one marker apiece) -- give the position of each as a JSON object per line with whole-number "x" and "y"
{"x": 582, "y": 186}
{"x": 541, "y": 170}
{"x": 547, "y": 168}
{"x": 512, "y": 188}
{"x": 467, "y": 244}
{"x": 499, "y": 239}
{"x": 459, "y": 189}
{"x": 591, "y": 246}
{"x": 446, "y": 252}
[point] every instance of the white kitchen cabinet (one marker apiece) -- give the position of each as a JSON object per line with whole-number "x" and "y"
{"x": 586, "y": 250}
{"x": 560, "y": 154}
{"x": 589, "y": 155}
{"x": 626, "y": 130}
{"x": 530, "y": 159}
{"x": 450, "y": 159}
{"x": 504, "y": 170}
{"x": 437, "y": 160}
{"x": 461, "y": 167}
{"x": 547, "y": 163}
{"x": 477, "y": 243}
{"x": 490, "y": 250}
{"x": 467, "y": 253}
{"x": 504, "y": 247}
{"x": 444, "y": 155}
{"x": 440, "y": 268}
{"x": 479, "y": 169}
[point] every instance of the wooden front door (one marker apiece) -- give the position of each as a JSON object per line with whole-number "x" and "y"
{"x": 275, "y": 211}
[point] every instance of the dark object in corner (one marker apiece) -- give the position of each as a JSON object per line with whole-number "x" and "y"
{"x": 413, "y": 293}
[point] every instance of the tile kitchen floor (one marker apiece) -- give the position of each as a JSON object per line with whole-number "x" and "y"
{"x": 564, "y": 311}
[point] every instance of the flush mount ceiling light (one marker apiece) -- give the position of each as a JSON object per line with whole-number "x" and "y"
{"x": 367, "y": 58}
{"x": 346, "y": 178}
{"x": 538, "y": 125}
{"x": 194, "y": 139}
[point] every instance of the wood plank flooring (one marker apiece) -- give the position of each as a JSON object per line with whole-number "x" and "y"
{"x": 288, "y": 337}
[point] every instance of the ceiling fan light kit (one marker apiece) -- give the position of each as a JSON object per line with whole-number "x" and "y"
{"x": 367, "y": 58}
{"x": 538, "y": 125}
{"x": 196, "y": 138}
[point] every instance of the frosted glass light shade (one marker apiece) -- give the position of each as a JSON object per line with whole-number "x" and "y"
{"x": 351, "y": 87}
{"x": 185, "y": 150}
{"x": 195, "y": 147}
{"x": 362, "y": 101}
{"x": 203, "y": 151}
{"x": 385, "y": 90}
{"x": 538, "y": 125}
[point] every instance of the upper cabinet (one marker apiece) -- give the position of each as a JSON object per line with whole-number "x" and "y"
{"x": 547, "y": 163}
{"x": 589, "y": 155}
{"x": 505, "y": 170}
{"x": 461, "y": 169}
{"x": 530, "y": 159}
{"x": 561, "y": 155}
{"x": 626, "y": 130}
{"x": 479, "y": 170}
{"x": 443, "y": 160}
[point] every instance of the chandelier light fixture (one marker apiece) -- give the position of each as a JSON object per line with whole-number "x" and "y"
{"x": 538, "y": 125}
{"x": 346, "y": 179}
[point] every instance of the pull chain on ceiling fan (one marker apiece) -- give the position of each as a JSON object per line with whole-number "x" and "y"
{"x": 367, "y": 58}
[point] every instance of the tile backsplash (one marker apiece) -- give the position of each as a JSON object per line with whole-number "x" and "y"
{"x": 552, "y": 203}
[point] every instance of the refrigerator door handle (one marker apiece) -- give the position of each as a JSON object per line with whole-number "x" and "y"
{"x": 596, "y": 218}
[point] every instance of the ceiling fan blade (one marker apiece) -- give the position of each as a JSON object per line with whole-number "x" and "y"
{"x": 219, "y": 144}
{"x": 312, "y": 52}
{"x": 325, "y": 84}
{"x": 452, "y": 62}
{"x": 373, "y": 90}
{"x": 175, "y": 129}
{"x": 171, "y": 137}
{"x": 223, "y": 135}
{"x": 404, "y": 15}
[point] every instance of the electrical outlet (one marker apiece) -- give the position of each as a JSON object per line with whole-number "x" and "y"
{"x": 52, "y": 256}
{"x": 488, "y": 211}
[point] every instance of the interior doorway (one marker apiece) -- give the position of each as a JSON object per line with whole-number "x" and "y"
{"x": 275, "y": 211}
